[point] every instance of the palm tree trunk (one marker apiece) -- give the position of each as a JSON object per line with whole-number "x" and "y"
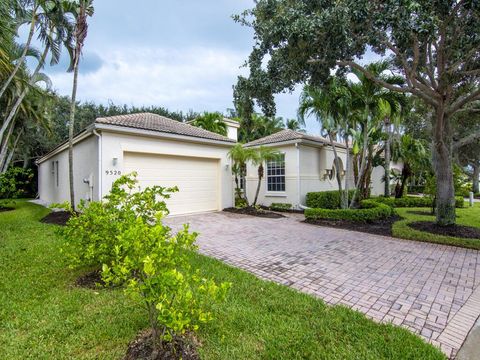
{"x": 343, "y": 205}
{"x": 17, "y": 104}
{"x": 4, "y": 149}
{"x": 9, "y": 158}
{"x": 21, "y": 60}
{"x": 71, "y": 127}
{"x": 347, "y": 172}
{"x": 387, "y": 163}
{"x": 363, "y": 166}
{"x": 260, "y": 176}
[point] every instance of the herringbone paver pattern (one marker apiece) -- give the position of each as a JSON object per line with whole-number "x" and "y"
{"x": 433, "y": 290}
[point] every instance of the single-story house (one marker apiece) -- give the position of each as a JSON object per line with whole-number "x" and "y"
{"x": 170, "y": 153}
{"x": 306, "y": 164}
{"x": 162, "y": 151}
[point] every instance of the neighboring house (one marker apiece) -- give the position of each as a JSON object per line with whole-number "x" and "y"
{"x": 378, "y": 175}
{"x": 162, "y": 151}
{"x": 306, "y": 164}
{"x": 170, "y": 153}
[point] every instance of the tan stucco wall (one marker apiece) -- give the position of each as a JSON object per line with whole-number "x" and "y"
{"x": 115, "y": 144}
{"x": 308, "y": 161}
{"x": 85, "y": 164}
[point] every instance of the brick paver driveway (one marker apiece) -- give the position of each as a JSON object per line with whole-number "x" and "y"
{"x": 433, "y": 290}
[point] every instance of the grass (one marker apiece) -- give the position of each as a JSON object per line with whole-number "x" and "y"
{"x": 42, "y": 316}
{"x": 468, "y": 216}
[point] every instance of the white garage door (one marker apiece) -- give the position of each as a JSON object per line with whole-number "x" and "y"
{"x": 196, "y": 179}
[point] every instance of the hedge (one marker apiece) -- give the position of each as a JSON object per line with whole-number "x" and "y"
{"x": 370, "y": 211}
{"x": 413, "y": 201}
{"x": 325, "y": 199}
{"x": 280, "y": 206}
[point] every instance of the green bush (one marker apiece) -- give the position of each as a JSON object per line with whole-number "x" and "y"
{"x": 91, "y": 234}
{"x": 126, "y": 235}
{"x": 325, "y": 199}
{"x": 370, "y": 211}
{"x": 280, "y": 207}
{"x": 416, "y": 189}
{"x": 16, "y": 183}
{"x": 413, "y": 201}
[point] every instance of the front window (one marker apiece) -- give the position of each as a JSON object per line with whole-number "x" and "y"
{"x": 276, "y": 174}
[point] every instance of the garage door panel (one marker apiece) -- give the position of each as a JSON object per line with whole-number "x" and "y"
{"x": 196, "y": 179}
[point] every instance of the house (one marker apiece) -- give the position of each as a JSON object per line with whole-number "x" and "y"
{"x": 162, "y": 151}
{"x": 170, "y": 153}
{"x": 306, "y": 164}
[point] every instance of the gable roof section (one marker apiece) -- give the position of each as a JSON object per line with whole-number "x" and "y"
{"x": 154, "y": 122}
{"x": 288, "y": 135}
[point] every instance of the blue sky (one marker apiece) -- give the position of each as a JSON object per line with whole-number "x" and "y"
{"x": 178, "y": 54}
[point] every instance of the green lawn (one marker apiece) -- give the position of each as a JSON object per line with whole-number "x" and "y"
{"x": 469, "y": 216}
{"x": 42, "y": 316}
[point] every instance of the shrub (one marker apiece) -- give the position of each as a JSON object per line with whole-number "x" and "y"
{"x": 459, "y": 201}
{"x": 416, "y": 189}
{"x": 126, "y": 235}
{"x": 413, "y": 201}
{"x": 370, "y": 211}
{"x": 325, "y": 199}
{"x": 280, "y": 207}
{"x": 91, "y": 234}
{"x": 15, "y": 183}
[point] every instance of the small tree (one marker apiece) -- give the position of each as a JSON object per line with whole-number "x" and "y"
{"x": 126, "y": 234}
{"x": 212, "y": 122}
{"x": 239, "y": 156}
{"x": 262, "y": 155}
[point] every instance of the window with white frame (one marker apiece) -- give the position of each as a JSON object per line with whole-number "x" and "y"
{"x": 276, "y": 174}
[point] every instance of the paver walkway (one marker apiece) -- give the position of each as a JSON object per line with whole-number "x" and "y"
{"x": 433, "y": 290}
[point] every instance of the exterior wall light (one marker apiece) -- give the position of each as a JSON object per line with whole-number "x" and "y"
{"x": 115, "y": 161}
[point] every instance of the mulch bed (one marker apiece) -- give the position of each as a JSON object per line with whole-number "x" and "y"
{"x": 379, "y": 227}
{"x": 254, "y": 212}
{"x": 57, "y": 218}
{"x": 6, "y": 208}
{"x": 459, "y": 231}
{"x": 180, "y": 348}
{"x": 91, "y": 280}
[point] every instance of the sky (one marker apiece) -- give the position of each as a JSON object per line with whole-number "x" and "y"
{"x": 182, "y": 55}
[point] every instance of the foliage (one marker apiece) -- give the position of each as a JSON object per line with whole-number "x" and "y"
{"x": 325, "y": 199}
{"x": 70, "y": 322}
{"x": 280, "y": 206}
{"x": 212, "y": 122}
{"x": 369, "y": 211}
{"x": 467, "y": 216}
{"x": 16, "y": 183}
{"x": 414, "y": 201}
{"x": 262, "y": 155}
{"x": 126, "y": 235}
{"x": 429, "y": 45}
{"x": 91, "y": 234}
{"x": 240, "y": 156}
{"x": 258, "y": 126}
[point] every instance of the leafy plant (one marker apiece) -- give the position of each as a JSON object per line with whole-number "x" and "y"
{"x": 326, "y": 199}
{"x": 15, "y": 183}
{"x": 126, "y": 234}
{"x": 280, "y": 206}
{"x": 91, "y": 234}
{"x": 369, "y": 211}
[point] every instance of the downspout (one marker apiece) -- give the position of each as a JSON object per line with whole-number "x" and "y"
{"x": 99, "y": 161}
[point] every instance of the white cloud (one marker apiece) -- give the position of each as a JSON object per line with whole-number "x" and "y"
{"x": 198, "y": 77}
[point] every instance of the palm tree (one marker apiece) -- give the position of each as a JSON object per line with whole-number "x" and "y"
{"x": 239, "y": 156}
{"x": 295, "y": 125}
{"x": 81, "y": 27}
{"x": 212, "y": 122}
{"x": 261, "y": 155}
{"x": 414, "y": 157}
{"x": 331, "y": 107}
{"x": 259, "y": 126}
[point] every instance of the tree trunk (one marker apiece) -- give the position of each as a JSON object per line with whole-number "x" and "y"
{"x": 343, "y": 204}
{"x": 4, "y": 148}
{"x": 361, "y": 171}
{"x": 442, "y": 163}
{"x": 475, "y": 181}
{"x": 17, "y": 104}
{"x": 71, "y": 127}
{"x": 388, "y": 142}
{"x": 21, "y": 60}
{"x": 347, "y": 172}
{"x": 260, "y": 176}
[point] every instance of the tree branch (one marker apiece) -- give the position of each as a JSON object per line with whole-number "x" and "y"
{"x": 467, "y": 139}
{"x": 460, "y": 103}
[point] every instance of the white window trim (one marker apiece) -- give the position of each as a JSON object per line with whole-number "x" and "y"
{"x": 273, "y": 193}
